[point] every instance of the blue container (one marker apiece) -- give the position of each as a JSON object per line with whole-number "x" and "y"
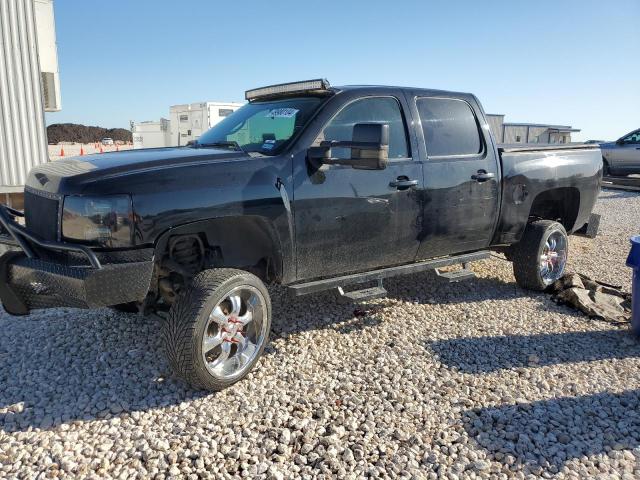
{"x": 633, "y": 261}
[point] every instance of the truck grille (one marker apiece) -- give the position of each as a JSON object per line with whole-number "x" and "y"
{"x": 41, "y": 214}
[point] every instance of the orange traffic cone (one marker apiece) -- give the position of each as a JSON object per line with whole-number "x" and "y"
{"x": 81, "y": 150}
{"x": 62, "y": 151}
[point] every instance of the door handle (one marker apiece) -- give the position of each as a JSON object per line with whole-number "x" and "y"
{"x": 402, "y": 183}
{"x": 482, "y": 176}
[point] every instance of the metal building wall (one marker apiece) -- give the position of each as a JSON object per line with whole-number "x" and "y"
{"x": 536, "y": 135}
{"x": 511, "y": 132}
{"x": 495, "y": 124}
{"x": 23, "y": 141}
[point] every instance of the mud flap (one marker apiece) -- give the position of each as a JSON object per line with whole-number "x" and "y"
{"x": 590, "y": 229}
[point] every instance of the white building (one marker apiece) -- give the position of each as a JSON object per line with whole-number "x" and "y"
{"x": 151, "y": 134}
{"x": 510, "y": 133}
{"x": 29, "y": 86}
{"x": 189, "y": 121}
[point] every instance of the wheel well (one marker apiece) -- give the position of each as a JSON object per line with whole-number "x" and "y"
{"x": 248, "y": 243}
{"x": 559, "y": 204}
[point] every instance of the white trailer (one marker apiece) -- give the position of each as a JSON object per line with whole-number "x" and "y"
{"x": 152, "y": 134}
{"x": 189, "y": 121}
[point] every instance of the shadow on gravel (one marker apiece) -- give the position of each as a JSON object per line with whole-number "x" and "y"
{"x": 420, "y": 288}
{"x": 546, "y": 434}
{"x": 61, "y": 366}
{"x": 428, "y": 288}
{"x": 64, "y": 365}
{"x": 616, "y": 193}
{"x": 488, "y": 354}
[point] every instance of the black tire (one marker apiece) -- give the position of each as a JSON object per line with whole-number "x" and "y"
{"x": 185, "y": 326}
{"x": 606, "y": 170}
{"x": 526, "y": 253}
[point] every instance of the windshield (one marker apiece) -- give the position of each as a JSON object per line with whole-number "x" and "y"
{"x": 265, "y": 127}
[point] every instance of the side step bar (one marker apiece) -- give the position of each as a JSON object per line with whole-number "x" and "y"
{"x": 364, "y": 294}
{"x": 335, "y": 282}
{"x": 457, "y": 275}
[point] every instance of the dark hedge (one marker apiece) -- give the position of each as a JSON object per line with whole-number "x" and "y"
{"x": 71, "y": 132}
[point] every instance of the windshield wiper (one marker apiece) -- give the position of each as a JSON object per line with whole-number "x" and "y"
{"x": 227, "y": 144}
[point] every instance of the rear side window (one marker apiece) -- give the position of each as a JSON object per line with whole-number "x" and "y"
{"x": 449, "y": 127}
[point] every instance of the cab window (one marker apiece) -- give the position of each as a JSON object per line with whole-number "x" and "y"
{"x": 368, "y": 110}
{"x": 449, "y": 126}
{"x": 632, "y": 138}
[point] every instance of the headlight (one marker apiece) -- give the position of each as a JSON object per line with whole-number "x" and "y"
{"x": 105, "y": 221}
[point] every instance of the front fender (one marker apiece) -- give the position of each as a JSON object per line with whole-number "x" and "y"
{"x": 243, "y": 241}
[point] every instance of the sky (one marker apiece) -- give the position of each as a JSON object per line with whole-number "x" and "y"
{"x": 573, "y": 62}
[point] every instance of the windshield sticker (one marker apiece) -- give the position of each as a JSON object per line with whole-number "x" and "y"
{"x": 282, "y": 112}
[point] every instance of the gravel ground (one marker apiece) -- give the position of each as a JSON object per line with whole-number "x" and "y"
{"x": 471, "y": 380}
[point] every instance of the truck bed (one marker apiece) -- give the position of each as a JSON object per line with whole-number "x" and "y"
{"x": 537, "y": 178}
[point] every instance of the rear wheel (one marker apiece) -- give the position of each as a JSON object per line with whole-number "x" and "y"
{"x": 539, "y": 259}
{"x": 218, "y": 328}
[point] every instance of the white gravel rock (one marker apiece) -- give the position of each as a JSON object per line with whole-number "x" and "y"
{"x": 472, "y": 380}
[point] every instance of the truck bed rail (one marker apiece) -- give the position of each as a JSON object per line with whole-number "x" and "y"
{"x": 530, "y": 148}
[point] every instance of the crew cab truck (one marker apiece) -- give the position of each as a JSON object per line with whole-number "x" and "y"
{"x": 308, "y": 186}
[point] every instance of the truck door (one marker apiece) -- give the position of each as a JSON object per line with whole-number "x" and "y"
{"x": 349, "y": 220}
{"x": 461, "y": 175}
{"x": 625, "y": 157}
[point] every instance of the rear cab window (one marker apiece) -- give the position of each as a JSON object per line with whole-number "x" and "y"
{"x": 450, "y": 127}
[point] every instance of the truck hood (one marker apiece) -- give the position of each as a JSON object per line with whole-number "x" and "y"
{"x": 52, "y": 177}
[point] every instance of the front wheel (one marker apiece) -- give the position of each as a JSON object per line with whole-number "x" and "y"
{"x": 606, "y": 169}
{"x": 218, "y": 328}
{"x": 541, "y": 255}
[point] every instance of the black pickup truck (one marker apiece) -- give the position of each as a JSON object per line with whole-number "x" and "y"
{"x": 307, "y": 185}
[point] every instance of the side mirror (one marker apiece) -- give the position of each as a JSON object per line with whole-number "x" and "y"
{"x": 369, "y": 148}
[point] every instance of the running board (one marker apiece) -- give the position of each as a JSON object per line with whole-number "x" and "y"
{"x": 329, "y": 283}
{"x": 456, "y": 275}
{"x": 363, "y": 294}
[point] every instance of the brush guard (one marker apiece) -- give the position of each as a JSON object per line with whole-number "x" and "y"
{"x": 35, "y": 273}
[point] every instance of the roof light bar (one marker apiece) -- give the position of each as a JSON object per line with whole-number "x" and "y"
{"x": 317, "y": 85}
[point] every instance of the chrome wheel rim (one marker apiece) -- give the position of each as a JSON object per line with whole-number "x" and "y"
{"x": 235, "y": 332}
{"x": 553, "y": 257}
